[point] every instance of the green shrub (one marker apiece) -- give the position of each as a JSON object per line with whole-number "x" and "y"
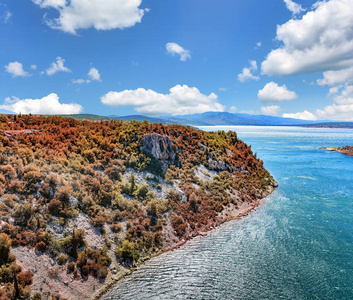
{"x": 62, "y": 258}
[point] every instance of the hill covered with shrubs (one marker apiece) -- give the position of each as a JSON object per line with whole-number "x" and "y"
{"x": 82, "y": 202}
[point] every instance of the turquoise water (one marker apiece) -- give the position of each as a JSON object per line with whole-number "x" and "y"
{"x": 297, "y": 245}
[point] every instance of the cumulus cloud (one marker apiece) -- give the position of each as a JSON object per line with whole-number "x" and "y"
{"x": 247, "y": 73}
{"x": 16, "y": 69}
{"x": 48, "y": 105}
{"x": 272, "y": 92}
{"x": 175, "y": 49}
{"x": 101, "y": 15}
{"x": 321, "y": 40}
{"x": 182, "y": 100}
{"x": 340, "y": 110}
{"x": 57, "y": 66}
{"x": 271, "y": 110}
{"x": 258, "y": 45}
{"x": 337, "y": 77}
{"x": 342, "y": 107}
{"x": 34, "y": 67}
{"x": 233, "y": 109}
{"x": 293, "y": 7}
{"x": 94, "y": 75}
{"x": 305, "y": 115}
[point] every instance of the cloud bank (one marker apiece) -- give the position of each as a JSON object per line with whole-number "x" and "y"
{"x": 101, "y": 15}
{"x": 320, "y": 41}
{"x": 48, "y": 105}
{"x": 182, "y": 100}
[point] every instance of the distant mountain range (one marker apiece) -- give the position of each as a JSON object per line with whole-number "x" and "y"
{"x": 218, "y": 118}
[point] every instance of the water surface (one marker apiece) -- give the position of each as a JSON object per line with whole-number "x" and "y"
{"x": 297, "y": 245}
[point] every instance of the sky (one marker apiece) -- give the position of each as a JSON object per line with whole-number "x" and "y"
{"x": 121, "y": 57}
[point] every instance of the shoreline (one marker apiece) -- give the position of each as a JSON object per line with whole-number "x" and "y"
{"x": 346, "y": 150}
{"x": 238, "y": 214}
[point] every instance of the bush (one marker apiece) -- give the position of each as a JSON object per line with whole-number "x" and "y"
{"x": 102, "y": 272}
{"x": 36, "y": 296}
{"x": 62, "y": 258}
{"x": 141, "y": 192}
{"x": 116, "y": 228}
{"x": 127, "y": 251}
{"x": 71, "y": 266}
{"x": 41, "y": 246}
{"x": 85, "y": 270}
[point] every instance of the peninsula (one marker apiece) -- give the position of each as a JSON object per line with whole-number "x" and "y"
{"x": 82, "y": 203}
{"x": 347, "y": 150}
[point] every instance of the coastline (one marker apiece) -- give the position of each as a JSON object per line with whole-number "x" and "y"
{"x": 233, "y": 214}
{"x": 346, "y": 150}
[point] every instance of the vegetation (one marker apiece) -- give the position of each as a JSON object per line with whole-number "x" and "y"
{"x": 54, "y": 168}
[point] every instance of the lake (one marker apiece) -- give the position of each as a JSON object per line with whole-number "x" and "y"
{"x": 298, "y": 244}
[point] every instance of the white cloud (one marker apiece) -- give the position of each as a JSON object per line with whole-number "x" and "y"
{"x": 336, "y": 77}
{"x": 101, "y": 15}
{"x": 47, "y": 105}
{"x": 293, "y": 7}
{"x": 78, "y": 81}
{"x": 321, "y": 40}
{"x": 258, "y": 45}
{"x": 336, "y": 112}
{"x": 94, "y": 75}
{"x": 7, "y": 16}
{"x": 272, "y": 92}
{"x": 247, "y": 74}
{"x": 305, "y": 115}
{"x": 174, "y": 49}
{"x": 182, "y": 100}
{"x": 233, "y": 109}
{"x": 222, "y": 89}
{"x": 16, "y": 69}
{"x": 34, "y": 67}
{"x": 57, "y": 66}
{"x": 271, "y": 110}
{"x": 342, "y": 108}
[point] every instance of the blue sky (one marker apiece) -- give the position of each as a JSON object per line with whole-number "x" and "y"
{"x": 284, "y": 58}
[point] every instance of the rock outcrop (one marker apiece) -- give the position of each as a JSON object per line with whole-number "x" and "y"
{"x": 158, "y": 146}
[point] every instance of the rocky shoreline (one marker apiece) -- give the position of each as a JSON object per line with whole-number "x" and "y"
{"x": 231, "y": 214}
{"x": 347, "y": 150}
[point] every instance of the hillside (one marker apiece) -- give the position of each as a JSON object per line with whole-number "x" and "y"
{"x": 83, "y": 202}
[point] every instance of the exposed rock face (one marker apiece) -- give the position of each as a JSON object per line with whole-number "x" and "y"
{"x": 159, "y": 146}
{"x": 215, "y": 164}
